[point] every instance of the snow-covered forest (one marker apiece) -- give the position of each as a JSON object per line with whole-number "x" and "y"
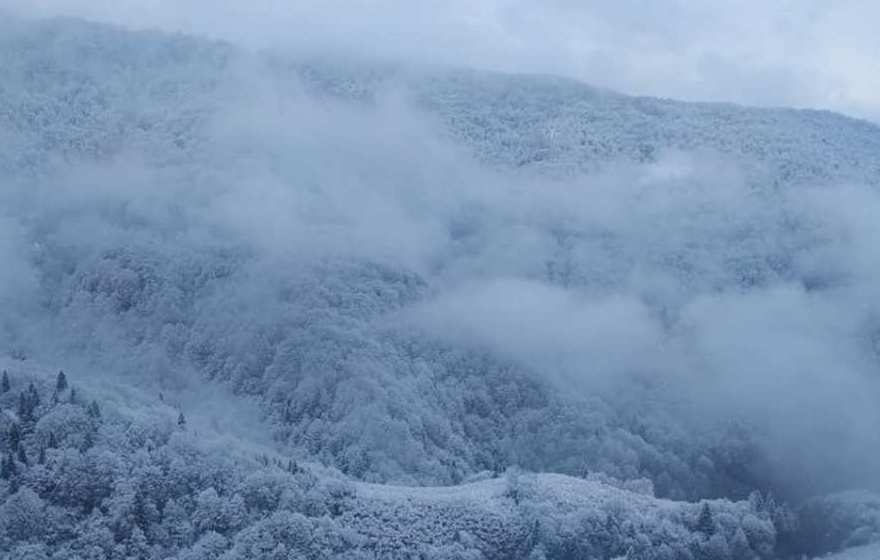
{"x": 266, "y": 306}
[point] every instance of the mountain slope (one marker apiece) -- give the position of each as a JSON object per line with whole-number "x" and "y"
{"x": 96, "y": 481}
{"x": 169, "y": 84}
{"x": 416, "y": 275}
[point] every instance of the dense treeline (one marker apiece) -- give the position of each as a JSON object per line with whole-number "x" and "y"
{"x": 79, "y": 481}
{"x": 336, "y": 381}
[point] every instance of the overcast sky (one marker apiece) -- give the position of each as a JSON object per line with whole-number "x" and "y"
{"x": 810, "y": 53}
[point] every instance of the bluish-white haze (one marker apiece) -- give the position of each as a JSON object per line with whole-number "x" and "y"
{"x": 805, "y": 53}
{"x": 354, "y": 241}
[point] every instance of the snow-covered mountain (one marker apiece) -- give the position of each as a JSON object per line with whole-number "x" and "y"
{"x": 141, "y": 482}
{"x": 108, "y": 87}
{"x": 425, "y": 310}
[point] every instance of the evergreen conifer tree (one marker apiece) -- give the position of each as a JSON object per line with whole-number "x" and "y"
{"x": 61, "y": 382}
{"x": 705, "y": 522}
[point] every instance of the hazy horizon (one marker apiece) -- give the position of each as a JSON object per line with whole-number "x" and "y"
{"x": 804, "y": 54}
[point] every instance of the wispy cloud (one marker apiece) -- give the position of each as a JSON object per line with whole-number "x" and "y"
{"x": 804, "y": 53}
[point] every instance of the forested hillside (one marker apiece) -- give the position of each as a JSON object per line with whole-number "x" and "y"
{"x": 324, "y": 306}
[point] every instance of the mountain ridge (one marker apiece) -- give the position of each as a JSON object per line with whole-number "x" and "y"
{"x": 425, "y": 277}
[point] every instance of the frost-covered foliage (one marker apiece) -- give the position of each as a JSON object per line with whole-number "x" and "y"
{"x": 82, "y": 480}
{"x": 138, "y": 240}
{"x": 426, "y": 277}
{"x": 563, "y": 126}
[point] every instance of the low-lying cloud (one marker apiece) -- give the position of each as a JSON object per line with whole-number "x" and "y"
{"x": 754, "y": 305}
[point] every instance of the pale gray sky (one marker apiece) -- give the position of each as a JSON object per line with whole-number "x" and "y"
{"x": 813, "y": 53}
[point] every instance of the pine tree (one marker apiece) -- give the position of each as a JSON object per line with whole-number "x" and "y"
{"x": 705, "y": 522}
{"x": 181, "y": 420}
{"x": 53, "y": 442}
{"x": 137, "y": 544}
{"x": 41, "y": 458}
{"x": 739, "y": 546}
{"x": 24, "y": 411}
{"x": 288, "y": 411}
{"x": 4, "y": 383}
{"x": 28, "y": 401}
{"x": 22, "y": 456}
{"x": 94, "y": 410}
{"x": 7, "y": 467}
{"x": 88, "y": 441}
{"x": 13, "y": 436}
{"x": 33, "y": 396}
{"x": 12, "y": 467}
{"x": 61, "y": 382}
{"x": 73, "y": 396}
{"x": 139, "y": 510}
